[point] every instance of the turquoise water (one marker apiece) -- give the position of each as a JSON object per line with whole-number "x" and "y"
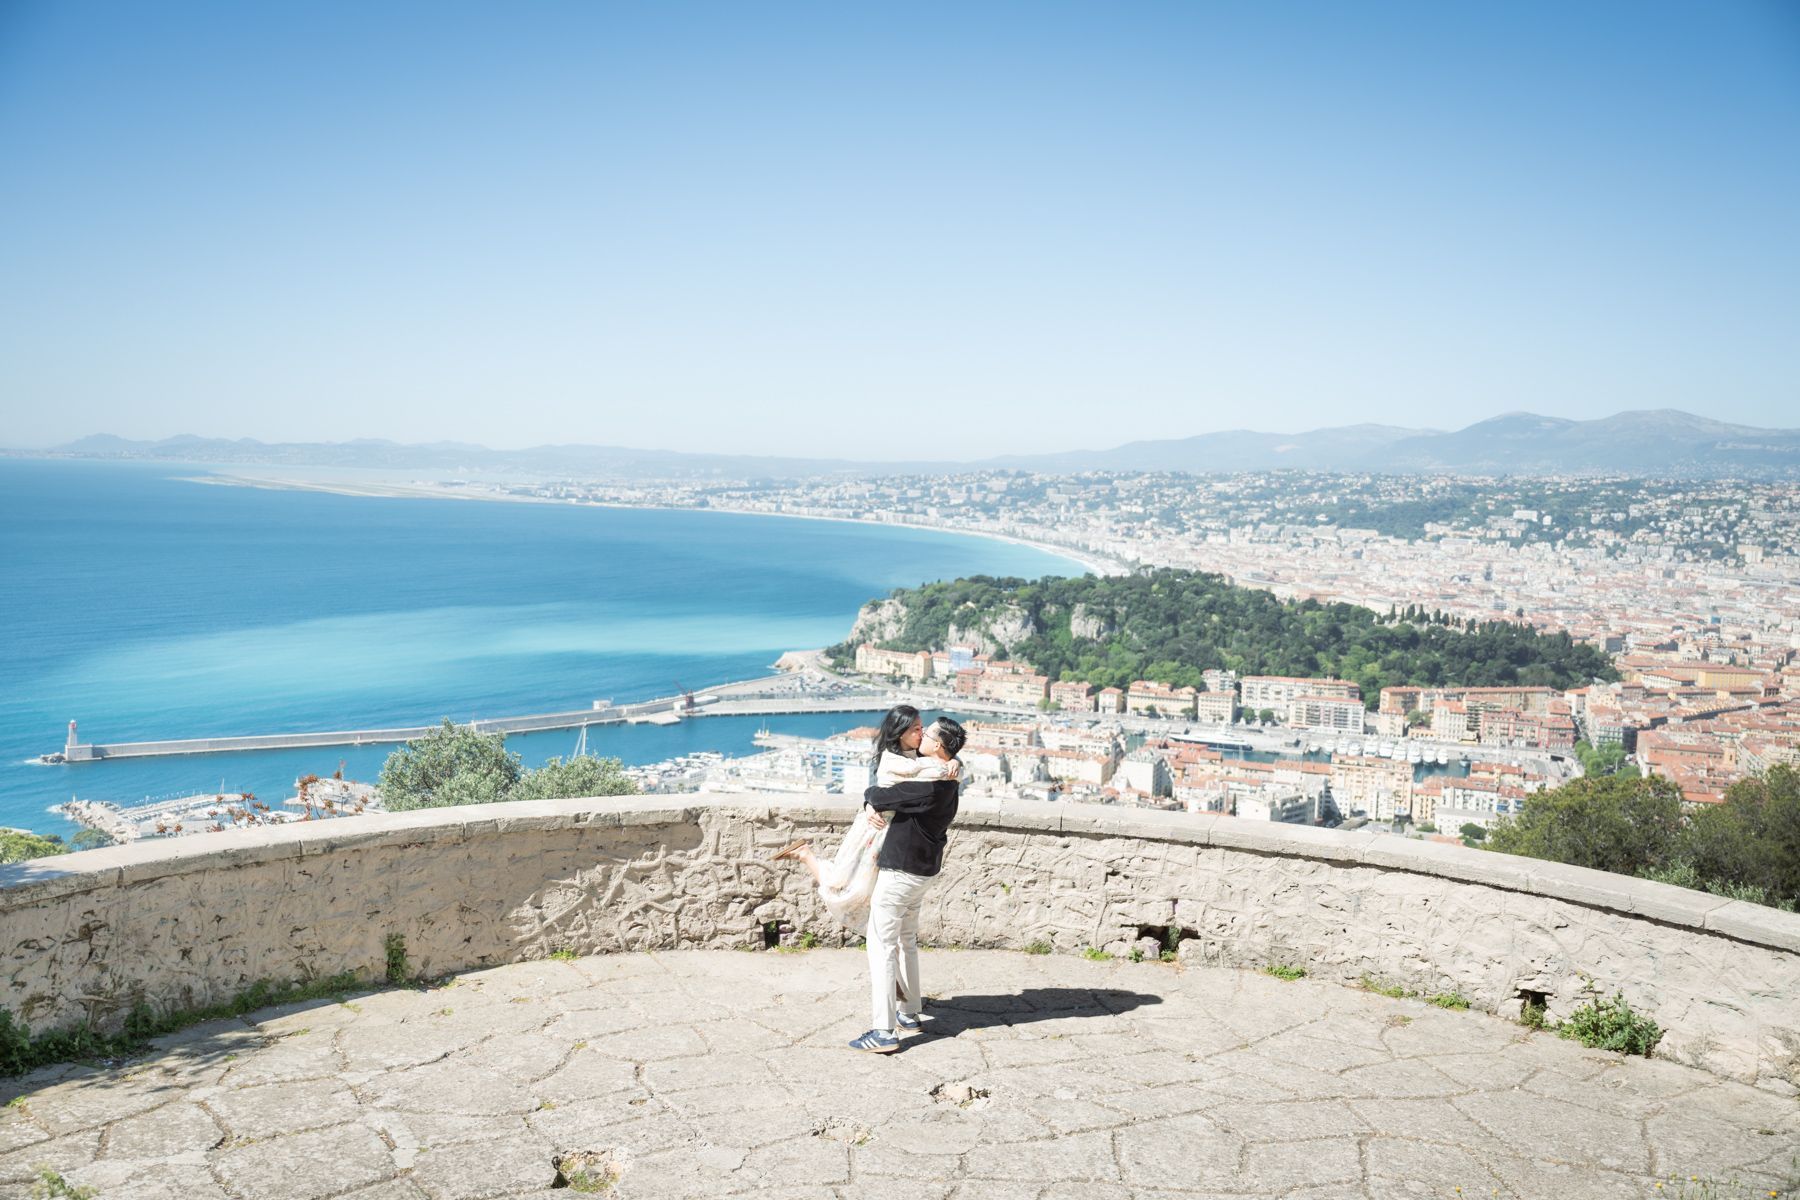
{"x": 150, "y": 607}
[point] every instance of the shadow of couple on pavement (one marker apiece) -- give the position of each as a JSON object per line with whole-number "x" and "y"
{"x": 953, "y": 1015}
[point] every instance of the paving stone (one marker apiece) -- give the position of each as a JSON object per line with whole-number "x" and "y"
{"x": 1184, "y": 1152}
{"x": 1401, "y": 1166}
{"x": 164, "y": 1181}
{"x": 1560, "y": 1130}
{"x": 320, "y": 1163}
{"x": 93, "y": 1099}
{"x": 1278, "y": 1167}
{"x": 450, "y": 1086}
{"x": 480, "y": 1170}
{"x": 274, "y": 1108}
{"x": 175, "y": 1128}
{"x": 1084, "y": 1156}
{"x": 66, "y": 1154}
{"x": 1292, "y": 1120}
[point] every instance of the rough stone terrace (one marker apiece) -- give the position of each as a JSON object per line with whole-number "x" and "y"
{"x": 716, "y": 1073}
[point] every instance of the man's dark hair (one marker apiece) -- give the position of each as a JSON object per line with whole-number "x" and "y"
{"x": 899, "y": 719}
{"x": 950, "y": 735}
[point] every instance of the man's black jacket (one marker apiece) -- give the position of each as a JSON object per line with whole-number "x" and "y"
{"x": 919, "y": 816}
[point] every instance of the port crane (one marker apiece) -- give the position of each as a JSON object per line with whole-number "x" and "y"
{"x": 687, "y": 697}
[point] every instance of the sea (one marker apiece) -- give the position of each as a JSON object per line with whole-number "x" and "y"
{"x": 148, "y": 606}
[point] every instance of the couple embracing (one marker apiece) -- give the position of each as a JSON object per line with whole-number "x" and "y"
{"x": 890, "y": 858}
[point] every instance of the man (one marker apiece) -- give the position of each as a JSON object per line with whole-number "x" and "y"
{"x": 918, "y": 815}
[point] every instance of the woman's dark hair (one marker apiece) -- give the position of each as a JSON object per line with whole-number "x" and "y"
{"x": 949, "y": 734}
{"x": 894, "y": 726}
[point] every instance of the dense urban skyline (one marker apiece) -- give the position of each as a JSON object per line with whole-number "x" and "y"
{"x": 837, "y": 234}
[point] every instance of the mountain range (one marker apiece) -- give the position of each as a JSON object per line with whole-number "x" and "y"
{"x": 1661, "y": 442}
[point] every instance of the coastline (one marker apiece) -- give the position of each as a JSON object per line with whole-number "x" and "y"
{"x": 1088, "y": 561}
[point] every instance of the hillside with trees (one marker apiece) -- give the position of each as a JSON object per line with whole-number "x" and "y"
{"x": 1170, "y": 625}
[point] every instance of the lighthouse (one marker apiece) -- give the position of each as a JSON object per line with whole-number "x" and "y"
{"x": 70, "y": 744}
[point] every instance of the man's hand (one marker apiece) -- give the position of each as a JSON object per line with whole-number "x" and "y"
{"x": 954, "y": 769}
{"x": 876, "y": 820}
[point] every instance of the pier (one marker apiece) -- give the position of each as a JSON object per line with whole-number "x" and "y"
{"x": 775, "y": 695}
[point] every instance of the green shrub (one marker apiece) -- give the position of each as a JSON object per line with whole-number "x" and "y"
{"x": 397, "y": 967}
{"x": 1095, "y": 954}
{"x": 1037, "y": 946}
{"x": 1612, "y": 1025}
{"x": 1453, "y": 1000}
{"x": 1281, "y": 972}
{"x": 1531, "y": 1015}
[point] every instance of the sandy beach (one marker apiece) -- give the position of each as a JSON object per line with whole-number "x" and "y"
{"x": 1093, "y": 563}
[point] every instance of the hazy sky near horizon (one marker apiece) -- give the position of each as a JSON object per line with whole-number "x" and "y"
{"x": 856, "y": 231}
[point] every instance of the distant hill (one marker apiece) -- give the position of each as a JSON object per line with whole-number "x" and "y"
{"x": 1661, "y": 442}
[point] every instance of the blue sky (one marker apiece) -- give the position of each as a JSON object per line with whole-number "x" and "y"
{"x": 843, "y": 230}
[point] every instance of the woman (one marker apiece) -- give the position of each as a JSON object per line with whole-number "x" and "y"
{"x": 848, "y": 880}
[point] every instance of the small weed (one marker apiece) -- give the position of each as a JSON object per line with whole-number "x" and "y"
{"x": 579, "y": 1046}
{"x": 352, "y": 1005}
{"x": 546, "y": 1105}
{"x": 808, "y": 939}
{"x": 1136, "y": 955}
{"x": 16, "y": 1102}
{"x": 1392, "y": 990}
{"x": 520, "y": 1000}
{"x": 586, "y": 1171}
{"x": 1037, "y": 946}
{"x": 444, "y": 1012}
{"x": 1531, "y": 1016}
{"x": 1288, "y": 973}
{"x": 51, "y": 1186}
{"x": 1611, "y": 1025}
{"x": 1399, "y": 1021}
{"x": 564, "y": 955}
{"x": 1452, "y": 1000}
{"x": 1172, "y": 939}
{"x": 1096, "y": 954}
{"x": 1006, "y": 888}
{"x": 1167, "y": 956}
{"x": 397, "y": 967}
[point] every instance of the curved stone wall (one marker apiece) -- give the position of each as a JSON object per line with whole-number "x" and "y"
{"x": 189, "y": 922}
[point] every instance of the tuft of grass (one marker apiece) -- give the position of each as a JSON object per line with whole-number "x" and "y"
{"x": 1282, "y": 972}
{"x": 1167, "y": 956}
{"x": 1096, "y": 954}
{"x": 1136, "y": 955}
{"x": 1037, "y": 946}
{"x": 22, "y": 1051}
{"x": 398, "y": 968}
{"x": 1532, "y": 1016}
{"x": 564, "y": 955}
{"x": 1611, "y": 1024}
{"x": 808, "y": 939}
{"x": 49, "y": 1185}
{"x": 1452, "y": 1000}
{"x": 1391, "y": 990}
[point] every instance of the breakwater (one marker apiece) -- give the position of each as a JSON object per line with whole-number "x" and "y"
{"x": 746, "y": 698}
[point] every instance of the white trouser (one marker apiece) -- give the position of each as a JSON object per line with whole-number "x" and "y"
{"x": 893, "y": 938}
